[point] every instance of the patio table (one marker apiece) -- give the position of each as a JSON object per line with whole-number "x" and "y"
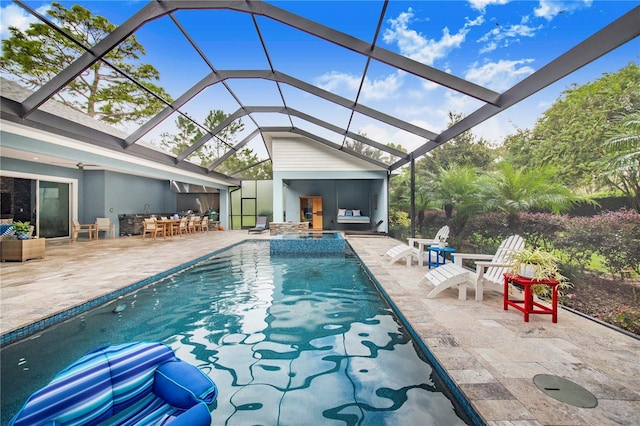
{"x": 528, "y": 305}
{"x": 167, "y": 226}
{"x": 423, "y": 244}
{"x": 439, "y": 254}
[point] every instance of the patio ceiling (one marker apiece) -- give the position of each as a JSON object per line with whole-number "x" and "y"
{"x": 248, "y": 69}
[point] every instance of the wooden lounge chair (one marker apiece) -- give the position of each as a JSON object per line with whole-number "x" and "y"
{"x": 78, "y": 228}
{"x": 409, "y": 251}
{"x": 191, "y": 225}
{"x": 104, "y": 224}
{"x": 152, "y": 228}
{"x": 182, "y": 226}
{"x": 261, "y": 225}
{"x": 489, "y": 271}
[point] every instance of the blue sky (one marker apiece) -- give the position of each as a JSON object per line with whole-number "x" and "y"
{"x": 494, "y": 43}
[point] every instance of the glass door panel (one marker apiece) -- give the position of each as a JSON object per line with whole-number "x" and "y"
{"x": 53, "y": 209}
{"x": 249, "y": 212}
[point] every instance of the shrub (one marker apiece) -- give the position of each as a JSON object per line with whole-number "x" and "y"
{"x": 541, "y": 230}
{"x": 432, "y": 222}
{"x": 399, "y": 224}
{"x": 613, "y": 236}
{"x": 627, "y": 319}
{"x": 616, "y": 237}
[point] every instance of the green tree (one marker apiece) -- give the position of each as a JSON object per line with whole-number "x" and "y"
{"x": 189, "y": 133}
{"x": 518, "y": 147}
{"x": 570, "y": 134}
{"x": 623, "y": 168}
{"x": 372, "y": 152}
{"x": 35, "y": 56}
{"x": 399, "y": 189}
{"x": 464, "y": 149}
{"x": 513, "y": 191}
{"x": 454, "y": 186}
{"x": 399, "y": 223}
{"x": 244, "y": 162}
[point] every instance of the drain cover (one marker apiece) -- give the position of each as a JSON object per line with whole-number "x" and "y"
{"x": 565, "y": 390}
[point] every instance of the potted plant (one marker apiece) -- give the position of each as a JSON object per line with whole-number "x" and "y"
{"x": 442, "y": 241}
{"x": 23, "y": 229}
{"x": 538, "y": 264}
{"x": 535, "y": 263}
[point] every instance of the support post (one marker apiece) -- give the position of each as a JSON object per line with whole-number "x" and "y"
{"x": 412, "y": 207}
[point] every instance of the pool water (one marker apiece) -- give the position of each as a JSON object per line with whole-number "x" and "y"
{"x": 288, "y": 341}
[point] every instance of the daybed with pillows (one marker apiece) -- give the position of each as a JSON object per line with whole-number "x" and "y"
{"x": 129, "y": 384}
{"x": 352, "y": 216}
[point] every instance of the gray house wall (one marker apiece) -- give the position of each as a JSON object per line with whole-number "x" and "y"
{"x": 102, "y": 193}
{"x": 109, "y": 194}
{"x": 354, "y": 190}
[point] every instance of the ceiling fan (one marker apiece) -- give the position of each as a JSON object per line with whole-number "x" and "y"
{"x": 80, "y": 165}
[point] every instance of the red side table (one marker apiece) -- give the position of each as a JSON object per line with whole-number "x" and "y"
{"x": 528, "y": 306}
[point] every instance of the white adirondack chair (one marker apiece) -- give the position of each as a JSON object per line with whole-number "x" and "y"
{"x": 409, "y": 251}
{"x": 489, "y": 271}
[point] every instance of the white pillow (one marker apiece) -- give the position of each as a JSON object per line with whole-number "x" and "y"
{"x": 356, "y": 213}
{"x": 342, "y": 212}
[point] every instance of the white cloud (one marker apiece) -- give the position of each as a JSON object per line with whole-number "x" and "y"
{"x": 376, "y": 133}
{"x": 382, "y": 135}
{"x": 505, "y": 34}
{"x": 409, "y": 140}
{"x": 334, "y": 81}
{"x": 489, "y": 47}
{"x": 493, "y": 130}
{"x": 500, "y": 75}
{"x": 482, "y": 4}
{"x": 459, "y": 103}
{"x": 380, "y": 89}
{"x": 431, "y": 110}
{"x": 429, "y": 85}
{"x": 418, "y": 47}
{"x": 13, "y": 15}
{"x": 548, "y": 9}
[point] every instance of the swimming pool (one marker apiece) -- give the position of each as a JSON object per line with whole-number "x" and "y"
{"x": 287, "y": 341}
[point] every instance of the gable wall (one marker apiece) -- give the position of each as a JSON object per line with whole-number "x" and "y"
{"x": 291, "y": 154}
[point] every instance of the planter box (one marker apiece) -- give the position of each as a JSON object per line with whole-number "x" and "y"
{"x": 21, "y": 250}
